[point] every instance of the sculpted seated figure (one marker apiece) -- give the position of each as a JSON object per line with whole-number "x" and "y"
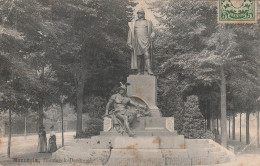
{"x": 122, "y": 110}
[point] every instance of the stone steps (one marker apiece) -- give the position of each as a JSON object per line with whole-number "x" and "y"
{"x": 209, "y": 160}
{"x": 154, "y": 142}
{"x": 200, "y": 152}
{"x": 176, "y": 157}
{"x": 206, "y": 152}
{"x": 139, "y": 142}
{"x": 171, "y": 153}
{"x": 178, "y": 161}
{"x": 133, "y": 157}
{"x": 145, "y": 151}
{"x": 186, "y": 161}
{"x": 199, "y": 145}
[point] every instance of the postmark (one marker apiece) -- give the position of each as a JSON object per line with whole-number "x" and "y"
{"x": 237, "y": 11}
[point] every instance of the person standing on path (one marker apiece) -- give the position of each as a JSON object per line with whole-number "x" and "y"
{"x": 42, "y": 141}
{"x": 52, "y": 141}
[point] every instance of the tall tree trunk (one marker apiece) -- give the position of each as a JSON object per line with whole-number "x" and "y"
{"x": 240, "y": 128}
{"x": 10, "y": 134}
{"x": 212, "y": 117}
{"x": 40, "y": 114}
{"x": 208, "y": 115}
{"x": 41, "y": 99}
{"x": 234, "y": 126}
{"x": 25, "y": 127}
{"x": 205, "y": 124}
{"x": 247, "y": 128}
{"x": 62, "y": 131}
{"x": 217, "y": 126}
{"x": 229, "y": 127}
{"x": 214, "y": 128}
{"x": 258, "y": 129}
{"x": 223, "y": 122}
{"x": 79, "y": 92}
{"x": 3, "y": 129}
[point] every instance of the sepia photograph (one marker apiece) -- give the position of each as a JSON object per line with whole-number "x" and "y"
{"x": 129, "y": 82}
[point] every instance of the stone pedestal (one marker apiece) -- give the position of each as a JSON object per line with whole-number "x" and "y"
{"x": 144, "y": 126}
{"x": 145, "y": 88}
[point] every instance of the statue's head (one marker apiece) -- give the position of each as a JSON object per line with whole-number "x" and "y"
{"x": 140, "y": 13}
{"x": 122, "y": 88}
{"x": 121, "y": 91}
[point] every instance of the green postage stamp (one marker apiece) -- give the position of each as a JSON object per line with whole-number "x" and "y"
{"x": 237, "y": 11}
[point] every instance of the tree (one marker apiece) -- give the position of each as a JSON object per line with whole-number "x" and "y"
{"x": 94, "y": 106}
{"x": 12, "y": 97}
{"x": 21, "y": 46}
{"x": 98, "y": 42}
{"x": 222, "y": 52}
{"x": 179, "y": 38}
{"x": 193, "y": 121}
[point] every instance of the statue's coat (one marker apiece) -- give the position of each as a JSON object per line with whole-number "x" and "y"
{"x": 131, "y": 42}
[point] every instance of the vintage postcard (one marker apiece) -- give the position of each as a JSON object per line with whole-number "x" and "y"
{"x": 129, "y": 82}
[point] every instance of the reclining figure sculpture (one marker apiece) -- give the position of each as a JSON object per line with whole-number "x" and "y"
{"x": 124, "y": 113}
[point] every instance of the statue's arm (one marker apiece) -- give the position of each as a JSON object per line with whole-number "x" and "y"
{"x": 136, "y": 104}
{"x": 111, "y": 100}
{"x": 152, "y": 36}
{"x": 129, "y": 39}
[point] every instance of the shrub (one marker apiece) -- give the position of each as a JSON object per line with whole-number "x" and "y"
{"x": 193, "y": 121}
{"x": 208, "y": 135}
{"x": 94, "y": 126}
{"x": 95, "y": 106}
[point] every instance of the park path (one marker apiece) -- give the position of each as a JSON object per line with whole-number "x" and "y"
{"x": 22, "y": 148}
{"x": 240, "y": 148}
{"x": 246, "y": 155}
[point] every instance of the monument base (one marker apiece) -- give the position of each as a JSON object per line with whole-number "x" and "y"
{"x": 145, "y": 151}
{"x": 145, "y": 88}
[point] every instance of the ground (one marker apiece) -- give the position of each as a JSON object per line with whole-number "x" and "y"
{"x": 246, "y": 155}
{"x": 26, "y": 148}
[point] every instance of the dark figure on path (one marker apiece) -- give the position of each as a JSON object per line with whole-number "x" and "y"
{"x": 42, "y": 141}
{"x": 52, "y": 141}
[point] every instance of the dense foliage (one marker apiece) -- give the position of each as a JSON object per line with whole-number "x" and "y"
{"x": 94, "y": 126}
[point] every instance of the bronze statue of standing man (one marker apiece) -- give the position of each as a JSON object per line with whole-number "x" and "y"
{"x": 140, "y": 37}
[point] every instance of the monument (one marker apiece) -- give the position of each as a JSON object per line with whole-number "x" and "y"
{"x": 135, "y": 133}
{"x": 140, "y": 37}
